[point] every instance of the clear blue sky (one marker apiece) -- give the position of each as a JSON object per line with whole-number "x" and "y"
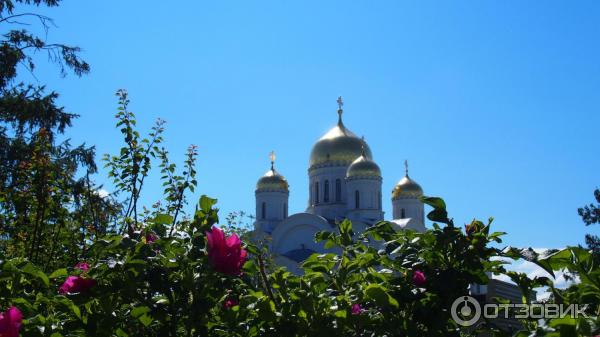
{"x": 495, "y": 104}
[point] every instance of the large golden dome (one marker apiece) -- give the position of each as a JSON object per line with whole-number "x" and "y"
{"x": 339, "y": 146}
{"x": 407, "y": 188}
{"x": 363, "y": 167}
{"x": 272, "y": 181}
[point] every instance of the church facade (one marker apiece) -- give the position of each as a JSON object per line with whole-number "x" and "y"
{"x": 344, "y": 183}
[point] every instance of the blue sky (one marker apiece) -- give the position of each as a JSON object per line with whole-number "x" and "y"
{"x": 494, "y": 104}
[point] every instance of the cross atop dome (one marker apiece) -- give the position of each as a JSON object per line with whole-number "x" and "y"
{"x": 362, "y": 146}
{"x": 406, "y": 166}
{"x": 272, "y": 157}
{"x": 340, "y": 103}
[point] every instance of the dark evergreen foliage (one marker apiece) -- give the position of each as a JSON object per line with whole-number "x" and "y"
{"x": 47, "y": 205}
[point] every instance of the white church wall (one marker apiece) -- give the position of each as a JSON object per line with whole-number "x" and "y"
{"x": 369, "y": 200}
{"x": 335, "y": 206}
{"x": 298, "y": 231}
{"x": 413, "y": 208}
{"x": 275, "y": 207}
{"x": 369, "y": 191}
{"x": 298, "y": 237}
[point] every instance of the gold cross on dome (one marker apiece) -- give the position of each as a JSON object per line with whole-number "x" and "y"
{"x": 406, "y": 166}
{"x": 340, "y": 111}
{"x": 272, "y": 157}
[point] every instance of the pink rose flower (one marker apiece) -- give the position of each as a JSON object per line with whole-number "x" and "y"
{"x": 356, "y": 309}
{"x": 151, "y": 237}
{"x": 10, "y": 322}
{"x": 226, "y": 255}
{"x": 83, "y": 266}
{"x": 76, "y": 284}
{"x": 229, "y": 303}
{"x": 419, "y": 278}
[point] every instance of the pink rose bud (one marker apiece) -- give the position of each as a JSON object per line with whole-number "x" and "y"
{"x": 229, "y": 303}
{"x": 10, "y": 322}
{"x": 151, "y": 237}
{"x": 76, "y": 284}
{"x": 419, "y": 278}
{"x": 83, "y": 266}
{"x": 356, "y": 309}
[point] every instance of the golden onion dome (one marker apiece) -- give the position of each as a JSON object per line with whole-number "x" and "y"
{"x": 339, "y": 146}
{"x": 363, "y": 167}
{"x": 272, "y": 181}
{"x": 407, "y": 188}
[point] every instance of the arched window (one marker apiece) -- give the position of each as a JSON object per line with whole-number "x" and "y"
{"x": 326, "y": 191}
{"x": 379, "y": 200}
{"x": 338, "y": 190}
{"x": 263, "y": 214}
{"x": 402, "y": 214}
{"x": 285, "y": 211}
{"x": 316, "y": 192}
{"x": 356, "y": 199}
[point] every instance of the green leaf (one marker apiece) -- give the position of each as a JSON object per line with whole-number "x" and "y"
{"x": 435, "y": 202}
{"x": 250, "y": 267}
{"x": 121, "y": 333}
{"x": 562, "y": 321}
{"x": 345, "y": 227}
{"x": 146, "y": 320}
{"x": 331, "y": 240}
{"x": 438, "y": 215}
{"x": 252, "y": 249}
{"x": 530, "y": 255}
{"x": 496, "y": 236}
{"x": 59, "y": 273}
{"x": 207, "y": 203}
{"x": 32, "y": 270}
{"x": 570, "y": 257}
{"x": 163, "y": 219}
{"x": 380, "y": 295}
{"x": 76, "y": 310}
{"x": 138, "y": 311}
{"x": 21, "y": 301}
{"x": 346, "y": 232}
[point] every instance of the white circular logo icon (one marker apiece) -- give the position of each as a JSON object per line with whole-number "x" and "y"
{"x": 465, "y": 311}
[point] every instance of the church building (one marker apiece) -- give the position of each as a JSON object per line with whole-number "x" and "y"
{"x": 344, "y": 183}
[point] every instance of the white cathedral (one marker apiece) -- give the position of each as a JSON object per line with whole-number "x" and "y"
{"x": 344, "y": 183}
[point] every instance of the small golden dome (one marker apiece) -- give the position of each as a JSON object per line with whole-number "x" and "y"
{"x": 339, "y": 146}
{"x": 363, "y": 167}
{"x": 272, "y": 181}
{"x": 407, "y": 188}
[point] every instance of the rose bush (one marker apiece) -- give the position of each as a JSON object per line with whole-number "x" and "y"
{"x": 381, "y": 283}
